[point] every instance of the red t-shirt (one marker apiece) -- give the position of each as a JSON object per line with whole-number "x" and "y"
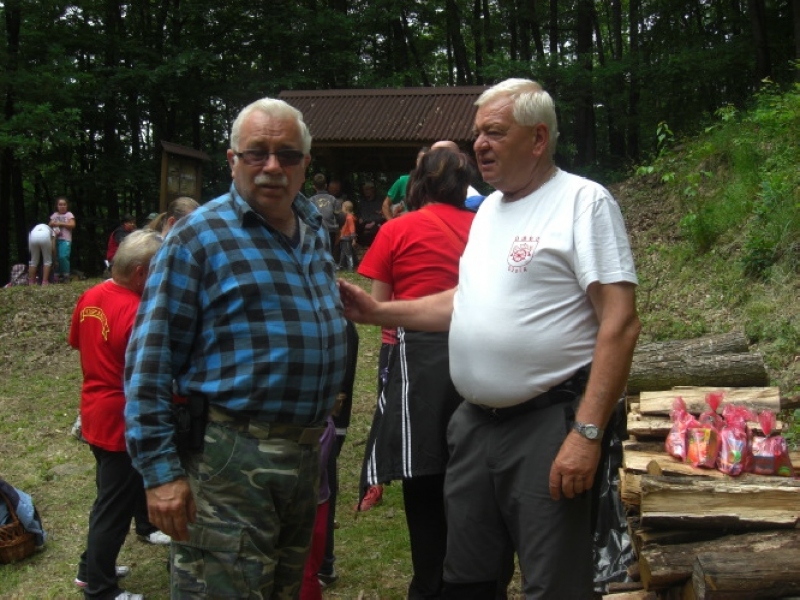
{"x": 101, "y": 326}
{"x": 349, "y": 227}
{"x": 414, "y": 255}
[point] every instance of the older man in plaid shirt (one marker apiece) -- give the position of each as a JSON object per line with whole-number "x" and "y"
{"x": 242, "y": 313}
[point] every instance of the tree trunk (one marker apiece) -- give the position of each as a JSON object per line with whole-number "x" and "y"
{"x": 463, "y": 74}
{"x": 478, "y": 37}
{"x": 633, "y": 89}
{"x": 728, "y": 370}
{"x": 745, "y": 576}
{"x": 758, "y": 26}
{"x": 722, "y": 343}
{"x": 584, "y": 98}
{"x": 663, "y": 566}
{"x": 9, "y": 167}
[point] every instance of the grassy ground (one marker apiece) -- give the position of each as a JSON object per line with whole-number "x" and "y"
{"x": 39, "y": 398}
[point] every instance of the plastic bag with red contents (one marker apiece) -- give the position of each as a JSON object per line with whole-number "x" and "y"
{"x": 710, "y": 417}
{"x": 770, "y": 451}
{"x": 675, "y": 443}
{"x": 735, "y": 456}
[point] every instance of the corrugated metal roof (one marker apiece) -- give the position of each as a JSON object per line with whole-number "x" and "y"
{"x": 414, "y": 116}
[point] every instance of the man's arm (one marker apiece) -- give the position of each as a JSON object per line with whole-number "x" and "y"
{"x": 161, "y": 341}
{"x": 386, "y": 208}
{"x": 431, "y": 313}
{"x": 575, "y": 466}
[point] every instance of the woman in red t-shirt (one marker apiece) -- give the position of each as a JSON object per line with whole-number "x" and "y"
{"x": 413, "y": 256}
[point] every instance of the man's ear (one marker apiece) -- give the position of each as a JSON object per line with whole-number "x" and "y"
{"x": 541, "y": 139}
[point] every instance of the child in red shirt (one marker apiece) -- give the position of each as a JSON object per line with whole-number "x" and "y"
{"x": 347, "y": 238}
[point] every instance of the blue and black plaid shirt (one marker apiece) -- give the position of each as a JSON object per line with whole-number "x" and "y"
{"x": 235, "y": 314}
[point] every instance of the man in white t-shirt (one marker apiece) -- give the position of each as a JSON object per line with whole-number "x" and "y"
{"x": 542, "y": 327}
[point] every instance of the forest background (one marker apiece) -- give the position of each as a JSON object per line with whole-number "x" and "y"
{"x": 91, "y": 88}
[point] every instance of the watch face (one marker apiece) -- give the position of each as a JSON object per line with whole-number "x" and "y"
{"x": 587, "y": 430}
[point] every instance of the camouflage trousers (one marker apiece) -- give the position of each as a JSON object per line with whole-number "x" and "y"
{"x": 256, "y": 496}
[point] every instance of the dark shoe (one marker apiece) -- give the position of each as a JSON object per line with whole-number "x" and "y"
{"x": 325, "y": 581}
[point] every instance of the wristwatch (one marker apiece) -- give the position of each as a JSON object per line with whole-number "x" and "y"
{"x": 588, "y": 430}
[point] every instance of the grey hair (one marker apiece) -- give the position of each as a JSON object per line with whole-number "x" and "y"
{"x": 138, "y": 248}
{"x": 274, "y": 108}
{"x": 532, "y": 105}
{"x": 181, "y": 206}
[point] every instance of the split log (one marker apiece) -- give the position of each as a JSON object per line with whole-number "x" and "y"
{"x": 648, "y": 538}
{"x": 661, "y": 463}
{"x": 745, "y": 576}
{"x": 737, "y": 504}
{"x": 640, "y": 458}
{"x": 637, "y": 595}
{"x": 654, "y": 427}
{"x": 736, "y": 370}
{"x": 630, "y": 489}
{"x": 619, "y": 587}
{"x": 754, "y": 398}
{"x": 664, "y": 566}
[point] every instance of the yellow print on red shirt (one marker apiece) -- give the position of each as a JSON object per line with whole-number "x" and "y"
{"x": 97, "y": 313}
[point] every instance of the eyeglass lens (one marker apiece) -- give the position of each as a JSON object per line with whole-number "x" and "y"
{"x": 258, "y": 158}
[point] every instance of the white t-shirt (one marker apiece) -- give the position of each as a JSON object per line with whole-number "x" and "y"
{"x": 41, "y": 233}
{"x": 522, "y": 321}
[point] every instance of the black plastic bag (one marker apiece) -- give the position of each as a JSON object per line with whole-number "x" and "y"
{"x": 613, "y": 551}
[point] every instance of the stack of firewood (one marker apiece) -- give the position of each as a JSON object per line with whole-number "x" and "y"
{"x": 699, "y": 533}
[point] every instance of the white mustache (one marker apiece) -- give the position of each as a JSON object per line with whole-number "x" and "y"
{"x": 266, "y": 179}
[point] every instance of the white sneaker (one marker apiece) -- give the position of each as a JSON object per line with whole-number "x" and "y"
{"x": 123, "y": 595}
{"x": 76, "y": 429}
{"x": 157, "y": 537}
{"x": 121, "y": 570}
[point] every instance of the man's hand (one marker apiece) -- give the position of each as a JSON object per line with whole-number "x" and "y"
{"x": 359, "y": 306}
{"x": 575, "y": 466}
{"x": 170, "y": 507}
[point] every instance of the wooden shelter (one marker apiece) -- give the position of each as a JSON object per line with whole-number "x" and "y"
{"x": 381, "y": 130}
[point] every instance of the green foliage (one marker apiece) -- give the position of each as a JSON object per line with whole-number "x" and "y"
{"x": 755, "y": 199}
{"x": 792, "y": 429}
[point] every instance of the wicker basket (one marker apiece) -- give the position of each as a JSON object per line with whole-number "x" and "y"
{"x": 16, "y": 542}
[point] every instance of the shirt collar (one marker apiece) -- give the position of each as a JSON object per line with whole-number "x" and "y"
{"x": 301, "y": 206}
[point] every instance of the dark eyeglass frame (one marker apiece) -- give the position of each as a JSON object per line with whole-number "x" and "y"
{"x": 258, "y": 158}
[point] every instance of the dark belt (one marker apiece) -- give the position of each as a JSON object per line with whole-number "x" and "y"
{"x": 566, "y": 391}
{"x": 265, "y": 430}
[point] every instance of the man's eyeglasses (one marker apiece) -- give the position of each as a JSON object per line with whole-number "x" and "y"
{"x": 258, "y": 158}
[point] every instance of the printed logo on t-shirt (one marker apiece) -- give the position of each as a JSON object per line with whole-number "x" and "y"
{"x": 97, "y": 313}
{"x": 522, "y": 250}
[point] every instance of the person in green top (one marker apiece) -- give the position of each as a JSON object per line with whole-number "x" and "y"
{"x": 394, "y": 203}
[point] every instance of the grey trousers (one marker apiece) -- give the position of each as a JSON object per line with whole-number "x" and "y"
{"x": 498, "y": 502}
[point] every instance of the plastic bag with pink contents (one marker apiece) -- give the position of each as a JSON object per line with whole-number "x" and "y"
{"x": 710, "y": 417}
{"x": 702, "y": 446}
{"x": 770, "y": 451}
{"x": 735, "y": 456}
{"x": 675, "y": 443}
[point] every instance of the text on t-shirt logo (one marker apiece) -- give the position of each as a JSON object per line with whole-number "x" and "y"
{"x": 522, "y": 250}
